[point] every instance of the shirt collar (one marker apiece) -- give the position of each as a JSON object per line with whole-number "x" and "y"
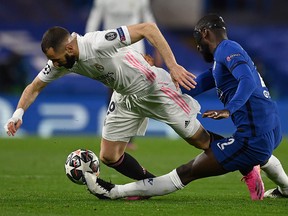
{"x": 81, "y": 47}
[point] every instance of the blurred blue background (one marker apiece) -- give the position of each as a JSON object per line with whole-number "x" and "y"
{"x": 75, "y": 105}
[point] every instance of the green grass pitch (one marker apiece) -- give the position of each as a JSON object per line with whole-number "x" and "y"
{"x": 33, "y": 182}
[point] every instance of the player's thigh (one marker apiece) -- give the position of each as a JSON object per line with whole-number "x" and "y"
{"x": 173, "y": 108}
{"x": 186, "y": 126}
{"x": 240, "y": 153}
{"x": 121, "y": 123}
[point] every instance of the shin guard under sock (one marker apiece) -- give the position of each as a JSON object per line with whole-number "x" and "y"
{"x": 129, "y": 166}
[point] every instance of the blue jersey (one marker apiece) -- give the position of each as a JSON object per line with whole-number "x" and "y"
{"x": 241, "y": 89}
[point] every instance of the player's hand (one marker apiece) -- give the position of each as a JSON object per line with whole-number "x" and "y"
{"x": 216, "y": 114}
{"x": 12, "y": 125}
{"x": 182, "y": 77}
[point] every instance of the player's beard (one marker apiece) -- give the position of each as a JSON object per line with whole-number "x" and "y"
{"x": 70, "y": 61}
{"x": 207, "y": 55}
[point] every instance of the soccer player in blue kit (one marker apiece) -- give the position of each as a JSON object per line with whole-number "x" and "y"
{"x": 246, "y": 100}
{"x": 245, "y": 97}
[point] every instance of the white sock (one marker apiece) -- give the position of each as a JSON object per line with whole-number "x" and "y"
{"x": 274, "y": 171}
{"x": 157, "y": 186}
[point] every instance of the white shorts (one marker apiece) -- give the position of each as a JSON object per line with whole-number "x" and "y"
{"x": 127, "y": 116}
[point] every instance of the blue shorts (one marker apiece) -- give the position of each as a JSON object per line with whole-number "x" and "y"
{"x": 242, "y": 153}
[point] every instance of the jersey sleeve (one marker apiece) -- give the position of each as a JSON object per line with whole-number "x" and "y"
{"x": 246, "y": 86}
{"x": 109, "y": 39}
{"x": 50, "y": 73}
{"x": 235, "y": 59}
{"x": 205, "y": 81}
{"x": 232, "y": 56}
{"x": 124, "y": 35}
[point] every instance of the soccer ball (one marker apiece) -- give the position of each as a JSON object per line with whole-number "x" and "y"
{"x": 80, "y": 161}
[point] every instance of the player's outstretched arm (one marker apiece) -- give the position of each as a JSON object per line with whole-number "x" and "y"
{"x": 28, "y": 96}
{"x": 151, "y": 32}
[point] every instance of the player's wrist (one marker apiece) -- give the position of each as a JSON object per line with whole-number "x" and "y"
{"x": 18, "y": 114}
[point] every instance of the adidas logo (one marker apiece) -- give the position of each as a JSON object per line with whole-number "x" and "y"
{"x": 187, "y": 123}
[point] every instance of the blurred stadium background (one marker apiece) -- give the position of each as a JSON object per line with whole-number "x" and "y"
{"x": 75, "y": 105}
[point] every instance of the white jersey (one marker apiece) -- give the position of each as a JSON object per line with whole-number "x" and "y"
{"x": 141, "y": 91}
{"x": 100, "y": 58}
{"x": 115, "y": 13}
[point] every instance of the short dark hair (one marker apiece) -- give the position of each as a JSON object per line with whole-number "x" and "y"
{"x": 53, "y": 38}
{"x": 211, "y": 21}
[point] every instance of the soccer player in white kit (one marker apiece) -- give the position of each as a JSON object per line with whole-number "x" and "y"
{"x": 141, "y": 90}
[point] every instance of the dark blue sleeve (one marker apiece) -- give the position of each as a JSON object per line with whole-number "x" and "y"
{"x": 245, "y": 88}
{"x": 205, "y": 81}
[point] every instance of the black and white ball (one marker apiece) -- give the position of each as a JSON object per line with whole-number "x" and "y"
{"x": 80, "y": 161}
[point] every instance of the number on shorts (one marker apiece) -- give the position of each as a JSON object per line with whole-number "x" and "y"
{"x": 222, "y": 145}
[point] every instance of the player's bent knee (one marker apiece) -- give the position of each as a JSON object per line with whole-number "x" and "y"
{"x": 107, "y": 158}
{"x": 111, "y": 151}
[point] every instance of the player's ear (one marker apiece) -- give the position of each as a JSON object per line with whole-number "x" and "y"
{"x": 71, "y": 43}
{"x": 69, "y": 48}
{"x": 204, "y": 32}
